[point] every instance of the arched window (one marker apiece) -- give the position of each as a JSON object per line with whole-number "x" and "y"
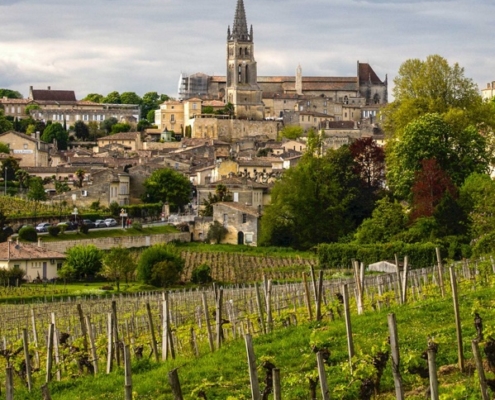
{"x": 376, "y": 98}
{"x": 239, "y": 72}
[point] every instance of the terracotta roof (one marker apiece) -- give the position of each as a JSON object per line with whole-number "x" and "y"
{"x": 23, "y": 251}
{"x": 121, "y": 136}
{"x": 239, "y": 207}
{"x": 53, "y": 95}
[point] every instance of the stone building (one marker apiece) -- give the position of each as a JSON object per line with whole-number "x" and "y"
{"x": 242, "y": 222}
{"x": 30, "y": 150}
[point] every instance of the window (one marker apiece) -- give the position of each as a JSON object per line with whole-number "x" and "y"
{"x": 225, "y": 220}
{"x": 239, "y": 73}
{"x": 172, "y": 118}
{"x": 194, "y": 106}
{"x": 244, "y": 218}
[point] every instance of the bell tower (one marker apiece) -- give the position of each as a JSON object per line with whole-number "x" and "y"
{"x": 242, "y": 76}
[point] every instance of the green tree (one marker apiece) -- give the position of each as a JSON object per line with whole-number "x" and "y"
{"x": 222, "y": 193}
{"x": 318, "y": 201}
{"x": 31, "y": 107}
{"x": 130, "y": 98}
{"x": 150, "y": 116}
{"x": 10, "y": 166}
{"x": 4, "y": 148}
{"x": 80, "y": 174}
{"x": 108, "y": 124}
{"x": 10, "y": 94}
{"x": 112, "y": 98}
{"x": 429, "y": 137}
{"x": 121, "y": 127}
{"x": 388, "y": 219}
{"x": 81, "y": 130}
{"x": 36, "y": 193}
{"x": 5, "y": 124}
{"x": 167, "y": 185}
{"x": 86, "y": 260}
{"x": 94, "y": 97}
{"x": 142, "y": 125}
{"x": 216, "y": 232}
{"x": 151, "y": 102}
{"x": 160, "y": 265}
{"x": 118, "y": 264}
{"x": 3, "y": 221}
{"x": 56, "y": 131}
{"x": 201, "y": 274}
{"x": 292, "y": 132}
{"x": 22, "y": 176}
{"x": 434, "y": 86}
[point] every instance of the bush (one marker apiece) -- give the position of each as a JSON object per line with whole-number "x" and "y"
{"x": 201, "y": 274}
{"x": 12, "y": 277}
{"x": 84, "y": 229}
{"x": 137, "y": 226}
{"x": 54, "y": 230}
{"x": 28, "y": 233}
{"x": 63, "y": 227}
{"x": 160, "y": 265}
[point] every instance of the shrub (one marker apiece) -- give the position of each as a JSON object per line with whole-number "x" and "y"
{"x": 201, "y": 274}
{"x": 63, "y": 227}
{"x": 54, "y": 230}
{"x": 84, "y": 229}
{"x": 216, "y": 232}
{"x": 137, "y": 226}
{"x": 28, "y": 233}
{"x": 160, "y": 265}
{"x": 12, "y": 276}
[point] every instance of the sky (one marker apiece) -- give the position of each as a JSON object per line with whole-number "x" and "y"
{"x": 98, "y": 46}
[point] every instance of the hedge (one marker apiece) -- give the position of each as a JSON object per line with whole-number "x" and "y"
{"x": 339, "y": 255}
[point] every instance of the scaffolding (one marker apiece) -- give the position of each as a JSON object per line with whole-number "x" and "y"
{"x": 195, "y": 85}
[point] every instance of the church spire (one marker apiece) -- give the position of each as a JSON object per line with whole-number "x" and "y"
{"x": 240, "y": 30}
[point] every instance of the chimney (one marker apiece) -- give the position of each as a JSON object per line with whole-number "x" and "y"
{"x": 49, "y": 88}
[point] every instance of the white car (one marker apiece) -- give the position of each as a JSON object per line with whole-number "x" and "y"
{"x": 110, "y": 222}
{"x": 43, "y": 227}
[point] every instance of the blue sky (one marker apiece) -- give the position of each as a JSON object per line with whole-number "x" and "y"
{"x": 97, "y": 46}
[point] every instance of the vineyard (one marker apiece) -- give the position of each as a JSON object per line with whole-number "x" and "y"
{"x": 312, "y": 339}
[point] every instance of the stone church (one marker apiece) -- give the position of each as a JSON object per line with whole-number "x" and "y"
{"x": 255, "y": 97}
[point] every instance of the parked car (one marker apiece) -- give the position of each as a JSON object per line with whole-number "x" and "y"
{"x": 43, "y": 227}
{"x": 100, "y": 223}
{"x": 70, "y": 226}
{"x": 111, "y": 222}
{"x": 19, "y": 227}
{"x": 8, "y": 231}
{"x": 90, "y": 224}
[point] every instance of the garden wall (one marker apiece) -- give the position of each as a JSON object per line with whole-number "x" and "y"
{"x": 127, "y": 241}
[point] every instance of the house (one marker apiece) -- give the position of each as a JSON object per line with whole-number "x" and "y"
{"x": 242, "y": 222}
{"x": 31, "y": 151}
{"x": 34, "y": 260}
{"x": 131, "y": 141}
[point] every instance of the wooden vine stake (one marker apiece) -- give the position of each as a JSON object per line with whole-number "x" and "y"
{"x": 394, "y": 348}
{"x": 359, "y": 279}
{"x": 319, "y": 296}
{"x": 173, "y": 380}
{"x": 253, "y": 376}
{"x": 480, "y": 369}
{"x": 348, "y": 327}
{"x": 460, "y": 352}
{"x": 268, "y": 301}
{"x": 152, "y": 331}
{"x": 9, "y": 383}
{"x": 405, "y": 274}
{"x": 397, "y": 271}
{"x": 110, "y": 347}
{"x": 440, "y": 272}
{"x": 325, "y": 392}
{"x": 115, "y": 331}
{"x": 128, "y": 373}
{"x": 83, "y": 327}
{"x": 261, "y": 318}
{"x": 277, "y": 395}
{"x": 49, "y": 353}
{"x": 432, "y": 369}
{"x": 207, "y": 320}
{"x": 92, "y": 344}
{"x": 218, "y": 316}
{"x": 35, "y": 338}
{"x": 56, "y": 349}
{"x": 27, "y": 358}
{"x": 306, "y": 297}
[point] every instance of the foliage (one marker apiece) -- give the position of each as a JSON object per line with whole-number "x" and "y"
{"x": 118, "y": 264}
{"x": 459, "y": 154}
{"x": 4, "y": 148}
{"x": 292, "y": 132}
{"x": 56, "y": 131}
{"x": 5, "y": 124}
{"x": 120, "y": 127}
{"x": 167, "y": 185}
{"x": 201, "y": 274}
{"x": 3, "y": 220}
{"x": 112, "y": 98}
{"x": 10, "y": 94}
{"x": 94, "y": 97}
{"x": 130, "y": 98}
{"x": 222, "y": 193}
{"x": 387, "y": 220}
{"x": 28, "y": 233}
{"x": 114, "y": 208}
{"x": 160, "y": 265}
{"x": 80, "y": 174}
{"x": 12, "y": 166}
{"x": 36, "y": 190}
{"x": 86, "y": 260}
{"x": 62, "y": 187}
{"x": 53, "y": 230}
{"x": 434, "y": 86}
{"x": 81, "y": 130}
{"x": 370, "y": 162}
{"x": 320, "y": 200}
{"x": 216, "y": 232}
{"x": 108, "y": 124}
{"x": 12, "y": 277}
{"x": 143, "y": 124}
{"x": 339, "y": 255}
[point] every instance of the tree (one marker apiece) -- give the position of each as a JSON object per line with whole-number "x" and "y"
{"x": 81, "y": 130}
{"x": 121, "y": 127}
{"x": 151, "y": 102}
{"x": 80, "y": 174}
{"x": 222, "y": 193}
{"x": 459, "y": 154}
{"x": 108, "y": 124}
{"x": 142, "y": 125}
{"x": 150, "y": 116}
{"x": 318, "y": 201}
{"x": 292, "y": 132}
{"x": 10, "y": 94}
{"x": 22, "y": 176}
{"x": 12, "y": 166}
{"x": 370, "y": 162}
{"x": 5, "y": 124}
{"x": 36, "y": 192}
{"x": 160, "y": 265}
{"x": 201, "y": 274}
{"x": 3, "y": 221}
{"x": 112, "y": 98}
{"x": 130, "y": 98}
{"x": 167, "y": 185}
{"x": 94, "y": 97}
{"x": 56, "y": 131}
{"x": 433, "y": 86}
{"x": 31, "y": 107}
{"x": 118, "y": 264}
{"x": 85, "y": 260}
{"x": 216, "y": 232}
{"x": 388, "y": 219}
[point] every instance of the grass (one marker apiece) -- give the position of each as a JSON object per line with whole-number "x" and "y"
{"x": 224, "y": 373}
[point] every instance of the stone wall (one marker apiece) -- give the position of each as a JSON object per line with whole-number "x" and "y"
{"x": 127, "y": 242}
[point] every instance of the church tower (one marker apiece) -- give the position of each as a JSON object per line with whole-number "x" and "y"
{"x": 242, "y": 76}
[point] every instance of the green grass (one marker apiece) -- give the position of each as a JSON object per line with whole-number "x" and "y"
{"x": 103, "y": 233}
{"x": 224, "y": 373}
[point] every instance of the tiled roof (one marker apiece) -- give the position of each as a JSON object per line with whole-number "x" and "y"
{"x": 341, "y": 124}
{"x": 367, "y": 74}
{"x": 23, "y": 251}
{"x": 239, "y": 207}
{"x": 121, "y": 136}
{"x": 53, "y": 95}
